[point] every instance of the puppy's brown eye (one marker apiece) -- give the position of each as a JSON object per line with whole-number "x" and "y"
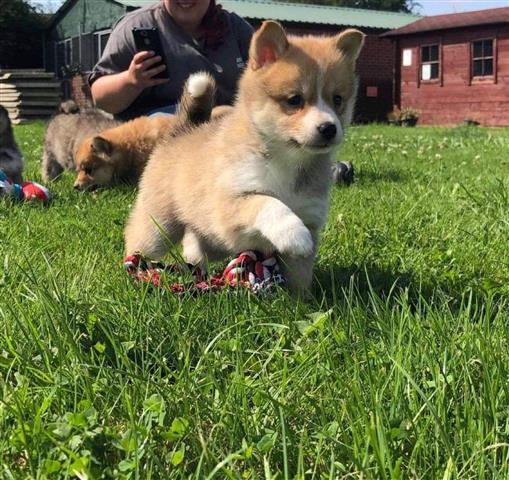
{"x": 295, "y": 101}
{"x": 338, "y": 100}
{"x": 88, "y": 171}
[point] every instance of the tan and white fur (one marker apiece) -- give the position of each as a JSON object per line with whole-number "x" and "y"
{"x": 268, "y": 161}
{"x": 121, "y": 153}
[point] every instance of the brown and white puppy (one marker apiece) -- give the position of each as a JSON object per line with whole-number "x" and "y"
{"x": 121, "y": 153}
{"x": 64, "y": 134}
{"x": 268, "y": 162}
{"x": 11, "y": 160}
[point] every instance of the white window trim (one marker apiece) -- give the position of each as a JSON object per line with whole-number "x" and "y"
{"x": 67, "y": 61}
{"x": 97, "y": 36}
{"x": 430, "y": 62}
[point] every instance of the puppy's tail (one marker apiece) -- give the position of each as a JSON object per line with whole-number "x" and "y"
{"x": 197, "y": 100}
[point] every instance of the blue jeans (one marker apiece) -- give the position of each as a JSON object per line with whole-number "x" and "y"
{"x": 169, "y": 110}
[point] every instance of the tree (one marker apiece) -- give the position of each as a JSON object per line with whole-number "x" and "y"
{"x": 21, "y": 25}
{"x": 390, "y": 5}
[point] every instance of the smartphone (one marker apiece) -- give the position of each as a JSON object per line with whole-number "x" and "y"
{"x": 147, "y": 39}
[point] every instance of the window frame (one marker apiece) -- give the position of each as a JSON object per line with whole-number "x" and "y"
{"x": 493, "y": 57}
{"x": 67, "y": 44}
{"x": 97, "y": 42}
{"x": 436, "y": 79}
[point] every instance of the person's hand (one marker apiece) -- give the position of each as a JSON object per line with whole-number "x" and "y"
{"x": 141, "y": 73}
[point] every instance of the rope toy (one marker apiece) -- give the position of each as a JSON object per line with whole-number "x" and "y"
{"x": 250, "y": 269}
{"x": 25, "y": 191}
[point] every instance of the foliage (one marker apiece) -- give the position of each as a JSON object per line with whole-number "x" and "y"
{"x": 389, "y": 5}
{"x": 70, "y": 71}
{"x": 21, "y": 27}
{"x": 396, "y": 368}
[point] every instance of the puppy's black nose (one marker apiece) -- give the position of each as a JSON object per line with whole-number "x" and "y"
{"x": 327, "y": 130}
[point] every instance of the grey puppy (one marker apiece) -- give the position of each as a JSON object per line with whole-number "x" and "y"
{"x": 64, "y": 134}
{"x": 11, "y": 160}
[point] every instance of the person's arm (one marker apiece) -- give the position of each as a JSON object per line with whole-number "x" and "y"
{"x": 115, "y": 92}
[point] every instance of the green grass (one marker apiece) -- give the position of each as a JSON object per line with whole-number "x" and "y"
{"x": 397, "y": 368}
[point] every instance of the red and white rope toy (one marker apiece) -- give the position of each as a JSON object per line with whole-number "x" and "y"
{"x": 23, "y": 191}
{"x": 250, "y": 269}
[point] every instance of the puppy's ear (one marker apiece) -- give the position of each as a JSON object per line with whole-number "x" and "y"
{"x": 350, "y": 43}
{"x": 267, "y": 45}
{"x": 101, "y": 146}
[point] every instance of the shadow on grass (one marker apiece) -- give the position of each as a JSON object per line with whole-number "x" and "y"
{"x": 365, "y": 280}
{"x": 387, "y": 175}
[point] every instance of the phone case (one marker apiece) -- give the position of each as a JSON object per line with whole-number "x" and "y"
{"x": 147, "y": 39}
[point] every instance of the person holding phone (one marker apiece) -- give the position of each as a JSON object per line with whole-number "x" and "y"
{"x": 195, "y": 35}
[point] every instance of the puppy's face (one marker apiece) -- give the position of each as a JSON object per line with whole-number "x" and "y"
{"x": 94, "y": 164}
{"x": 301, "y": 90}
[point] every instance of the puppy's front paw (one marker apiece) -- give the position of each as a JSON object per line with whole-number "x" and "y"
{"x": 293, "y": 238}
{"x": 285, "y": 230}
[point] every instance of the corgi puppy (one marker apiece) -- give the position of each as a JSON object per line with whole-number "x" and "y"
{"x": 268, "y": 161}
{"x": 64, "y": 134}
{"x": 121, "y": 153}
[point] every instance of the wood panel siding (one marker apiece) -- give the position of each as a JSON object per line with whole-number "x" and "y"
{"x": 375, "y": 68}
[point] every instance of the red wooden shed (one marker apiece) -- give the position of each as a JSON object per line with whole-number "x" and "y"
{"x": 454, "y": 67}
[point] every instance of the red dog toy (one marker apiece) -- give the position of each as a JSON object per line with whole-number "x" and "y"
{"x": 35, "y": 191}
{"x": 25, "y": 191}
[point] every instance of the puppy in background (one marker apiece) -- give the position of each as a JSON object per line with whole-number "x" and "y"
{"x": 69, "y": 106}
{"x": 11, "y": 160}
{"x": 121, "y": 153}
{"x": 268, "y": 161}
{"x": 64, "y": 134}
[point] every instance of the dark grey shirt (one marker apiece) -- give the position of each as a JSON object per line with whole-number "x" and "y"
{"x": 183, "y": 56}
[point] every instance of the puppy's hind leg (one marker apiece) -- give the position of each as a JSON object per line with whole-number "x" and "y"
{"x": 197, "y": 100}
{"x": 145, "y": 235}
{"x": 50, "y": 168}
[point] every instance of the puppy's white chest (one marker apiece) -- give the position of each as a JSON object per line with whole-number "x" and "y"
{"x": 314, "y": 211}
{"x": 281, "y": 180}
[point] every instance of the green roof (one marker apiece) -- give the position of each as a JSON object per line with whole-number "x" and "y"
{"x": 306, "y": 13}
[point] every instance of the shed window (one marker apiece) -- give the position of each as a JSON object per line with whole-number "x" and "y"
{"x": 63, "y": 55}
{"x": 482, "y": 58}
{"x": 101, "y": 39}
{"x": 430, "y": 62}
{"x": 68, "y": 51}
